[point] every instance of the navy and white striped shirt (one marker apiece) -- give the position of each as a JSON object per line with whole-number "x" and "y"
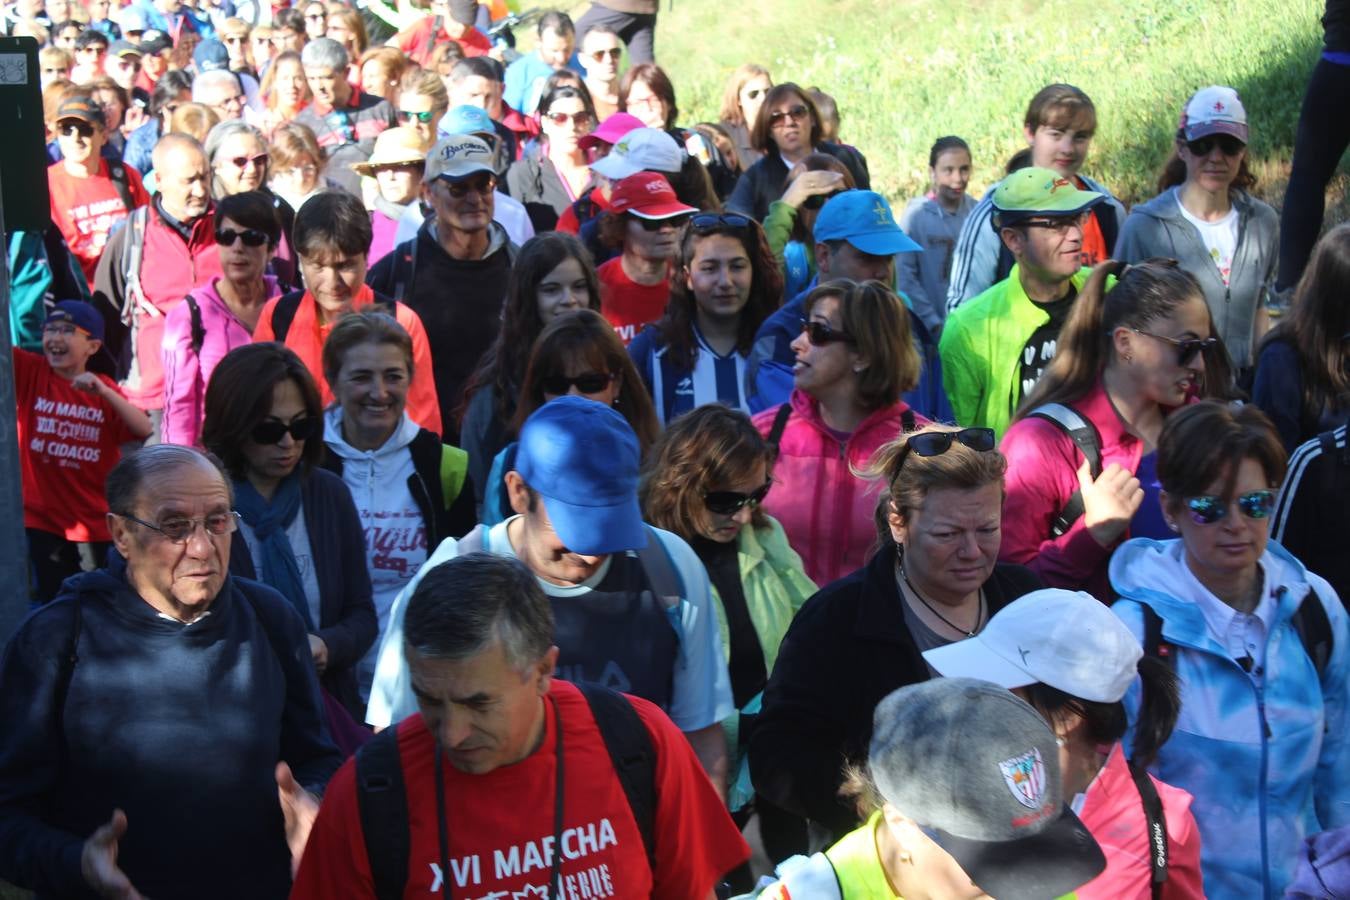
{"x": 675, "y": 390}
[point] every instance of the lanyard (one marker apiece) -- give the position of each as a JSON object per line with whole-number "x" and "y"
{"x": 443, "y": 831}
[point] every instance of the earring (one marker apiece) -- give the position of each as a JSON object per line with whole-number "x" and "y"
{"x": 905, "y": 857}
{"x": 1172, "y": 525}
{"x": 1129, "y": 358}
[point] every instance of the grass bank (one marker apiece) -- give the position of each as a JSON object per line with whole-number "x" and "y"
{"x": 907, "y": 73}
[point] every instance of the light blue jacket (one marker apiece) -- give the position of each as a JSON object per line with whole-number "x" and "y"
{"x": 1267, "y": 765}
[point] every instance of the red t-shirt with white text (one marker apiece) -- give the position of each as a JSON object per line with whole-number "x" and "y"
{"x": 500, "y": 824}
{"x": 626, "y": 304}
{"x": 86, "y": 209}
{"x": 69, "y": 440}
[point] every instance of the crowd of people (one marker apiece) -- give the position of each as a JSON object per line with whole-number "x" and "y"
{"x": 448, "y": 471}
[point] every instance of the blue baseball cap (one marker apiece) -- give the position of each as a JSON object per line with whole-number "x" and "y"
{"x": 465, "y": 120}
{"x": 210, "y": 56}
{"x": 864, "y": 219}
{"x": 582, "y": 457}
{"x": 80, "y": 314}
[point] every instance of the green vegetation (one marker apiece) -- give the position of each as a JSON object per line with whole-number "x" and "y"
{"x": 906, "y": 73}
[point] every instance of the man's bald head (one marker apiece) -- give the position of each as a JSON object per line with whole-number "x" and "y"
{"x": 182, "y": 175}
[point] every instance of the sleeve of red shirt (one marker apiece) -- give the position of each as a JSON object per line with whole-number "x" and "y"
{"x": 136, "y": 187}
{"x": 335, "y": 863}
{"x": 122, "y": 433}
{"x": 696, "y": 841}
{"x": 423, "y": 404}
{"x": 568, "y": 221}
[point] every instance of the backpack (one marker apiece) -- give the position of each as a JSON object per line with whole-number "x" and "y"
{"x": 382, "y": 798}
{"x": 1086, "y": 438}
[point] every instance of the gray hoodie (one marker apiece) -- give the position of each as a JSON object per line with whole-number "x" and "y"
{"x": 1157, "y": 228}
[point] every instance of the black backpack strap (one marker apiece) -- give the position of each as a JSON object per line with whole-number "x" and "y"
{"x": 907, "y": 420}
{"x": 1154, "y": 645}
{"x": 405, "y": 267}
{"x": 1085, "y": 437}
{"x": 283, "y": 314}
{"x": 779, "y": 424}
{"x": 1314, "y": 630}
{"x": 634, "y": 757}
{"x": 118, "y": 173}
{"x": 1157, "y": 828}
{"x": 198, "y": 329}
{"x": 383, "y": 805}
{"x": 68, "y": 673}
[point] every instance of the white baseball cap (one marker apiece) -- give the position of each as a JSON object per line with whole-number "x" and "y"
{"x": 457, "y": 156}
{"x": 641, "y": 150}
{"x": 1068, "y": 640}
{"x": 1214, "y": 110}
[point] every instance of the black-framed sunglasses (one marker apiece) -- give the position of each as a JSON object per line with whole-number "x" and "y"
{"x": 405, "y": 115}
{"x": 272, "y": 431}
{"x": 816, "y": 201}
{"x": 482, "y": 184}
{"x": 820, "y": 334}
{"x": 1059, "y": 224}
{"x": 676, "y": 222}
{"x": 936, "y": 443}
{"x": 587, "y": 383}
{"x": 180, "y": 531}
{"x": 73, "y": 128}
{"x": 1187, "y": 348}
{"x": 1230, "y": 145}
{"x": 728, "y": 503}
{"x": 1206, "y": 510}
{"x": 252, "y": 237}
{"x": 706, "y": 221}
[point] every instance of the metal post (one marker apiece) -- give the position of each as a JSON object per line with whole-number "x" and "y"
{"x": 13, "y": 543}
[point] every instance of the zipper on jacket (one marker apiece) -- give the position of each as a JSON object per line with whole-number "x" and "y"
{"x": 1261, "y": 794}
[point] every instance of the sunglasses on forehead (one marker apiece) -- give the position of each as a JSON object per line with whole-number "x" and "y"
{"x": 936, "y": 443}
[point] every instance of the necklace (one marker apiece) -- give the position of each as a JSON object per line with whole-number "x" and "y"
{"x": 979, "y": 609}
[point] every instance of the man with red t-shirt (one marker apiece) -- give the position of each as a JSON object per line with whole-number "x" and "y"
{"x": 450, "y": 20}
{"x": 507, "y": 768}
{"x": 646, "y": 219}
{"x": 89, "y": 195}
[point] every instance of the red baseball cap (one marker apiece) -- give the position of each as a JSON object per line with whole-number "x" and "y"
{"x": 647, "y": 195}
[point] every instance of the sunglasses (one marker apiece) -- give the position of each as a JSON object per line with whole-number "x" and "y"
{"x": 587, "y": 383}
{"x": 728, "y": 503}
{"x": 71, "y": 129}
{"x": 233, "y": 39}
{"x": 1230, "y": 145}
{"x": 482, "y": 185}
{"x": 1253, "y": 504}
{"x": 272, "y": 431}
{"x": 936, "y": 443}
{"x": 423, "y": 117}
{"x": 315, "y": 17}
{"x": 613, "y": 53}
{"x": 1187, "y": 349}
{"x": 755, "y": 93}
{"x": 707, "y": 221}
{"x": 578, "y": 119}
{"x": 820, "y": 334}
{"x": 816, "y": 201}
{"x": 252, "y": 237}
{"x": 1059, "y": 224}
{"x": 796, "y": 114}
{"x": 258, "y": 162}
{"x": 676, "y": 222}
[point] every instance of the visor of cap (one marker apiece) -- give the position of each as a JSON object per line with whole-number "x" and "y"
{"x": 883, "y": 242}
{"x": 597, "y": 530}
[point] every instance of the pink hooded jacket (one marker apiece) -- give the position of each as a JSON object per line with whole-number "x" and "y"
{"x": 826, "y": 510}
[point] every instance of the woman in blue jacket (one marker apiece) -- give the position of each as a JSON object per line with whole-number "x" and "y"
{"x": 1259, "y": 644}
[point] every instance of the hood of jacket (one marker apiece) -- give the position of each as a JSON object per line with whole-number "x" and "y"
{"x": 398, "y": 441}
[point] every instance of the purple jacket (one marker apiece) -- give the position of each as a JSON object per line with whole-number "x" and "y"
{"x": 187, "y": 371}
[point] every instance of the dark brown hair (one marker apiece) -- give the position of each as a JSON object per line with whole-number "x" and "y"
{"x": 332, "y": 220}
{"x": 879, "y": 323}
{"x": 239, "y": 398}
{"x": 657, "y": 81}
{"x": 1207, "y": 441}
{"x": 761, "y": 135}
{"x": 368, "y": 327}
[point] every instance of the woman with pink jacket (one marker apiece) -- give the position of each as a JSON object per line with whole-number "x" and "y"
{"x": 855, "y": 357}
{"x": 1128, "y": 354}
{"x": 220, "y": 315}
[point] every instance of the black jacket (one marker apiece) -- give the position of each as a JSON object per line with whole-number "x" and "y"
{"x": 846, "y": 649}
{"x": 107, "y": 704}
{"x": 763, "y": 182}
{"x": 534, "y": 181}
{"x": 443, "y": 519}
{"x": 347, "y": 622}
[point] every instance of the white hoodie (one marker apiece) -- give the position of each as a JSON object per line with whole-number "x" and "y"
{"x": 396, "y": 536}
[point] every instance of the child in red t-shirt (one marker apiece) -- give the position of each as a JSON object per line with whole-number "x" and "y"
{"x": 71, "y": 426}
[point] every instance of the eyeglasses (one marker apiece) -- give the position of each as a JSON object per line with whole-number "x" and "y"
{"x": 1207, "y": 510}
{"x": 578, "y": 119}
{"x": 587, "y": 383}
{"x": 61, "y": 328}
{"x": 936, "y": 443}
{"x": 796, "y": 114}
{"x": 728, "y": 503}
{"x": 708, "y": 221}
{"x": 252, "y": 237}
{"x": 273, "y": 430}
{"x": 613, "y": 53}
{"x": 179, "y": 531}
{"x": 651, "y": 101}
{"x": 820, "y": 334}
{"x": 423, "y": 117}
{"x": 1059, "y": 224}
{"x": 1230, "y": 145}
{"x": 1187, "y": 348}
{"x": 258, "y": 162}
{"x": 233, "y": 39}
{"x": 676, "y": 222}
{"x": 481, "y": 185}
{"x": 71, "y": 129}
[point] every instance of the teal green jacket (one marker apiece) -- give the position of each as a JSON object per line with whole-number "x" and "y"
{"x": 981, "y": 347}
